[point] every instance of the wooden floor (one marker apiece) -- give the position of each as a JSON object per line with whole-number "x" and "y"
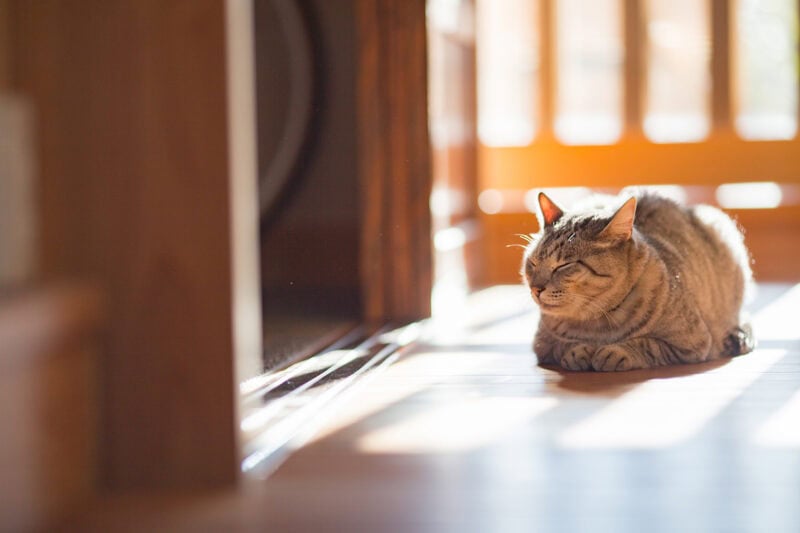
{"x": 464, "y": 433}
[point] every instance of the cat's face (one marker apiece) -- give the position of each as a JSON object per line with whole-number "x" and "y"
{"x": 575, "y": 264}
{"x": 570, "y": 278}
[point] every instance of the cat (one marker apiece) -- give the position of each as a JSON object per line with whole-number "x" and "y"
{"x": 650, "y": 283}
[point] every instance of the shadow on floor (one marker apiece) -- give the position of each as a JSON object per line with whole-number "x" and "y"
{"x": 613, "y": 384}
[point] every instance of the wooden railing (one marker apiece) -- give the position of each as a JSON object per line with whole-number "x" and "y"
{"x": 722, "y": 157}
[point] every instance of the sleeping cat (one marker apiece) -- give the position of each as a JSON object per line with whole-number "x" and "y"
{"x": 647, "y": 284}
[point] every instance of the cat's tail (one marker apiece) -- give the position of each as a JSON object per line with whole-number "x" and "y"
{"x": 739, "y": 341}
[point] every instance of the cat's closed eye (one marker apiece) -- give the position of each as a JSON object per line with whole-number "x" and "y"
{"x": 565, "y": 266}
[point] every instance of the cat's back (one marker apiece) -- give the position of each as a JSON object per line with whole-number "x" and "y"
{"x": 658, "y": 215}
{"x": 704, "y": 254}
{"x": 690, "y": 232}
{"x": 669, "y": 228}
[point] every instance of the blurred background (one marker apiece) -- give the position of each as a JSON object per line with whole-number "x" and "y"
{"x": 697, "y": 98}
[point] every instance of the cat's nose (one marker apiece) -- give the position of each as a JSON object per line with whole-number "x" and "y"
{"x": 536, "y": 291}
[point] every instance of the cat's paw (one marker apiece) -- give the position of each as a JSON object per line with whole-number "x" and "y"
{"x": 738, "y": 341}
{"x": 577, "y": 357}
{"x": 615, "y": 358}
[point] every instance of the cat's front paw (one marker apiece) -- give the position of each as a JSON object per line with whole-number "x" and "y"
{"x": 577, "y": 357}
{"x": 615, "y": 358}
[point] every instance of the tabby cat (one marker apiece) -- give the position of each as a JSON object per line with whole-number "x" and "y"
{"x": 650, "y": 283}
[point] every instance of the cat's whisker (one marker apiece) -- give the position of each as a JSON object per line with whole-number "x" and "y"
{"x": 527, "y": 238}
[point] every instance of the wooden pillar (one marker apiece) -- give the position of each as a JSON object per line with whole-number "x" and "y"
{"x": 5, "y": 44}
{"x": 720, "y": 66}
{"x": 548, "y": 61}
{"x": 633, "y": 24}
{"x": 394, "y": 159}
{"x": 139, "y": 193}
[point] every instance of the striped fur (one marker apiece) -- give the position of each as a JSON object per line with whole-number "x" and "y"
{"x": 649, "y": 284}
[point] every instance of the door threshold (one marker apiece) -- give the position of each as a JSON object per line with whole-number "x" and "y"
{"x": 281, "y": 410}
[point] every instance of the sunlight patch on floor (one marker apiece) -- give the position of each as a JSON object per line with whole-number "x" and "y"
{"x": 495, "y": 315}
{"x": 665, "y": 412}
{"x": 412, "y": 374}
{"x": 782, "y": 428}
{"x": 778, "y": 321}
{"x": 458, "y": 426}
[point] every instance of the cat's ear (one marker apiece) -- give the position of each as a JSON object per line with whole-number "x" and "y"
{"x": 621, "y": 225}
{"x": 550, "y": 211}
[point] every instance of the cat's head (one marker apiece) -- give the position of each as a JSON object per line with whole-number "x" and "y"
{"x": 578, "y": 261}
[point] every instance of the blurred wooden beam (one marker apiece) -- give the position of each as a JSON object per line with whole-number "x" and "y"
{"x": 395, "y": 161}
{"x": 5, "y": 44}
{"x": 138, "y": 193}
{"x": 721, "y": 65}
{"x": 48, "y": 404}
{"x": 635, "y": 49}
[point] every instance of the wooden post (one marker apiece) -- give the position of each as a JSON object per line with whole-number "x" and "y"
{"x": 548, "y": 48}
{"x": 394, "y": 154}
{"x": 139, "y": 193}
{"x": 634, "y": 66}
{"x": 720, "y": 66}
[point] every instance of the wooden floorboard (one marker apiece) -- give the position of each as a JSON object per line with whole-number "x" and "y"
{"x": 465, "y": 433}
